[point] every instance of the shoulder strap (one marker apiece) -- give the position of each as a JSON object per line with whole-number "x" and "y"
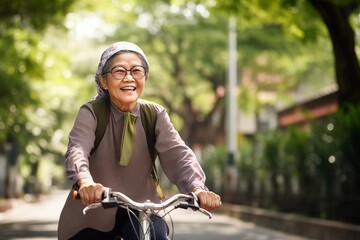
{"x": 148, "y": 118}
{"x": 101, "y": 108}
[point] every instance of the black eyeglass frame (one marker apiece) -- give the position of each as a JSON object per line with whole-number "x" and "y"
{"x": 127, "y": 71}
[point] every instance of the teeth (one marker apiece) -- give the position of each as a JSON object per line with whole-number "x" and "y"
{"x": 128, "y": 88}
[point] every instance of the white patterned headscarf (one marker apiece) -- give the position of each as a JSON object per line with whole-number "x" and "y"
{"x": 108, "y": 53}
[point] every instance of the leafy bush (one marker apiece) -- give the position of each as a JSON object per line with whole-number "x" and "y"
{"x": 310, "y": 170}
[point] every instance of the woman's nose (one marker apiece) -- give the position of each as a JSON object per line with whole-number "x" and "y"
{"x": 128, "y": 76}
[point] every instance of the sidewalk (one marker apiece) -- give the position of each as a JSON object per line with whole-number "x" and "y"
{"x": 293, "y": 224}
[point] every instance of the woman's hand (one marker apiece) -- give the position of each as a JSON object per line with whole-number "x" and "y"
{"x": 90, "y": 192}
{"x": 208, "y": 200}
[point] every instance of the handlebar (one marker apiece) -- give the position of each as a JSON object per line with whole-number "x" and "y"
{"x": 115, "y": 199}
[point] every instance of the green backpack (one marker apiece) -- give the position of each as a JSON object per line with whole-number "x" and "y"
{"x": 148, "y": 115}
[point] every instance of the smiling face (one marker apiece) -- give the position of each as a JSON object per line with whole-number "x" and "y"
{"x": 124, "y": 93}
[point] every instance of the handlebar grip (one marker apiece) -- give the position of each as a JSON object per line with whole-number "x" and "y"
{"x": 76, "y": 195}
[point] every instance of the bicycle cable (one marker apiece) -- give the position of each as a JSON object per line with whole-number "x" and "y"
{"x": 131, "y": 211}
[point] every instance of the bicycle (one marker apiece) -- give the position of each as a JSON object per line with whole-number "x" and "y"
{"x": 146, "y": 209}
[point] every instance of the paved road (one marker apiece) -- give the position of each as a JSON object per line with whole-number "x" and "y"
{"x": 37, "y": 220}
{"x": 30, "y": 219}
{"x": 193, "y": 225}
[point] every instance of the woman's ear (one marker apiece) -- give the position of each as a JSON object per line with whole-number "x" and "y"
{"x": 103, "y": 82}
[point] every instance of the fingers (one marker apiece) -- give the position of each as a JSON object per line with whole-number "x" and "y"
{"x": 209, "y": 200}
{"x": 91, "y": 193}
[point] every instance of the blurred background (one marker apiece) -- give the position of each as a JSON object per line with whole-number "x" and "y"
{"x": 265, "y": 92}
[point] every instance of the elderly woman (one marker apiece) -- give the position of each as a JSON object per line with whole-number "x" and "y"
{"x": 121, "y": 75}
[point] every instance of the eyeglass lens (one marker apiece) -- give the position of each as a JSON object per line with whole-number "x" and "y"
{"x": 120, "y": 73}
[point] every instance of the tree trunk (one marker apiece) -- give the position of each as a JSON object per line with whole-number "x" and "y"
{"x": 205, "y": 131}
{"x": 347, "y": 68}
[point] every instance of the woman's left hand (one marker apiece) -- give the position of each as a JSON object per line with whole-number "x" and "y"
{"x": 209, "y": 201}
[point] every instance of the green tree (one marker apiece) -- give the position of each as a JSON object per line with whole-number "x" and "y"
{"x": 22, "y": 24}
{"x": 27, "y": 117}
{"x": 339, "y": 17}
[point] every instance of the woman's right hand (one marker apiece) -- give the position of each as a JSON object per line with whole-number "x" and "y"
{"x": 90, "y": 192}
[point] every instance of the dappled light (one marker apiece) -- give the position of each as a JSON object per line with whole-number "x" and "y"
{"x": 297, "y": 89}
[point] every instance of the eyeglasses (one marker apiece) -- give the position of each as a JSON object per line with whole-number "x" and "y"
{"x": 119, "y": 73}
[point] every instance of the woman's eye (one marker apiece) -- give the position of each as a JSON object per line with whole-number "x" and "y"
{"x": 119, "y": 71}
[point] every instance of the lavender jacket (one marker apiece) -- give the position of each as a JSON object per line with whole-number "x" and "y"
{"x": 177, "y": 161}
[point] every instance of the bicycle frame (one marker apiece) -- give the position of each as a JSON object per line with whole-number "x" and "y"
{"x": 147, "y": 208}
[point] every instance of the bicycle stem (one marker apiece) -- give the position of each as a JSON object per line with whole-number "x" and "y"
{"x": 144, "y": 225}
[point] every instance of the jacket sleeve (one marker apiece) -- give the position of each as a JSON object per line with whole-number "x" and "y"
{"x": 177, "y": 160}
{"x": 81, "y": 141}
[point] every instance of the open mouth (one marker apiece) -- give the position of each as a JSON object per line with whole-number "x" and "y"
{"x": 128, "y": 88}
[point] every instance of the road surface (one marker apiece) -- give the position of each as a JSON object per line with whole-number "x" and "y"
{"x": 37, "y": 220}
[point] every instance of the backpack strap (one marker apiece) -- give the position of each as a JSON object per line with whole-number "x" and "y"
{"x": 148, "y": 118}
{"x": 101, "y": 108}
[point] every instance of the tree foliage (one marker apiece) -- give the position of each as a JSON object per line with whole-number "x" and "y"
{"x": 28, "y": 121}
{"x": 21, "y": 27}
{"x": 336, "y": 15}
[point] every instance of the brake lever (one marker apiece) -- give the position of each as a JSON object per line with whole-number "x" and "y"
{"x": 205, "y": 212}
{"x": 91, "y": 206}
{"x": 193, "y": 203}
{"x": 186, "y": 205}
